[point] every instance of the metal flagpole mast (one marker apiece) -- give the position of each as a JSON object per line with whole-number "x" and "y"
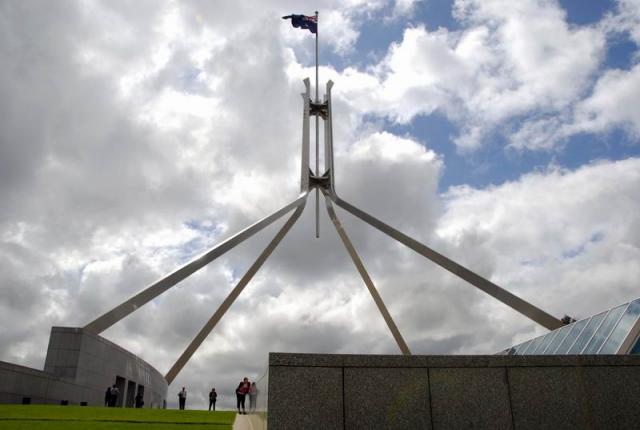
{"x": 317, "y": 138}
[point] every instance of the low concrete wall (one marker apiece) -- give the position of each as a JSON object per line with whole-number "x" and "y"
{"x": 78, "y": 368}
{"x": 19, "y": 382}
{"x": 313, "y": 391}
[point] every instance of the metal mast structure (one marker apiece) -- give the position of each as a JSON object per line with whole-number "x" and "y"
{"x": 324, "y": 183}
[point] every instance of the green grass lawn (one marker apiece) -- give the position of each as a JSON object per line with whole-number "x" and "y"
{"x": 53, "y": 417}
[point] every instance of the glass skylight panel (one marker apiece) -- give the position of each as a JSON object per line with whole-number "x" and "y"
{"x": 532, "y": 345}
{"x": 539, "y": 341}
{"x": 562, "y": 333}
{"x": 520, "y": 348}
{"x": 621, "y": 331}
{"x": 525, "y": 346}
{"x": 603, "y": 331}
{"x": 571, "y": 337}
{"x": 586, "y": 334}
{"x": 545, "y": 342}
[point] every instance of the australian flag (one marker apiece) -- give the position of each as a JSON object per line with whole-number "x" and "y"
{"x": 305, "y": 22}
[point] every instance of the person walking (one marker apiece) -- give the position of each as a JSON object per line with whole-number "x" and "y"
{"x": 213, "y": 396}
{"x": 107, "y": 397}
{"x": 241, "y": 393}
{"x": 182, "y": 398}
{"x": 253, "y": 396}
{"x": 113, "y": 397}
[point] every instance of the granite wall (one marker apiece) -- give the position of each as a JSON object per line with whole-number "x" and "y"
{"x": 315, "y": 391}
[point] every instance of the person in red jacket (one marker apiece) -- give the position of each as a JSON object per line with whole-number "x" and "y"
{"x": 241, "y": 393}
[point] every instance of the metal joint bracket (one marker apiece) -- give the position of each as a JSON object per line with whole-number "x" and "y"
{"x": 319, "y": 109}
{"x": 323, "y": 182}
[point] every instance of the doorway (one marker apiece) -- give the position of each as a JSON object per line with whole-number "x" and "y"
{"x": 120, "y": 385}
{"x": 131, "y": 394}
{"x": 139, "y": 401}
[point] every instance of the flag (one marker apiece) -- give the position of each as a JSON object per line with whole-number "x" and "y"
{"x": 305, "y": 22}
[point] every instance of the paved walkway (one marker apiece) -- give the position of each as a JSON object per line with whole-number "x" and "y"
{"x": 249, "y": 422}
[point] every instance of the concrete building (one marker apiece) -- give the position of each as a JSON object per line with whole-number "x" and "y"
{"x": 78, "y": 369}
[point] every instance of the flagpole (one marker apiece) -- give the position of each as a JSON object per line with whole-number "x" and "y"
{"x": 317, "y": 137}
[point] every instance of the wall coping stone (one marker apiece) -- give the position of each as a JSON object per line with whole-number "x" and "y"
{"x": 452, "y": 361}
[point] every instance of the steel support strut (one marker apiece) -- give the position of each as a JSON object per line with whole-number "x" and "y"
{"x": 304, "y": 163}
{"x": 154, "y": 290}
{"x": 367, "y": 280}
{"x": 328, "y": 140}
{"x": 515, "y": 302}
{"x": 233, "y": 295}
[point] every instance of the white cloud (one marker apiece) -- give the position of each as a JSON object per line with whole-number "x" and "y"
{"x": 557, "y": 233}
{"x": 338, "y": 29}
{"x": 625, "y": 19}
{"x": 502, "y": 66}
{"x": 403, "y": 8}
{"x": 612, "y": 104}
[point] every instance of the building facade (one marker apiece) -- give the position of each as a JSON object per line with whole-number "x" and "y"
{"x": 78, "y": 369}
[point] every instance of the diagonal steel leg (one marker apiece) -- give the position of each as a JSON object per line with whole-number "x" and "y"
{"x": 367, "y": 280}
{"x": 515, "y": 302}
{"x": 154, "y": 290}
{"x": 233, "y": 295}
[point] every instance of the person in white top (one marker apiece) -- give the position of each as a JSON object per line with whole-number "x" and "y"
{"x": 253, "y": 396}
{"x": 182, "y": 398}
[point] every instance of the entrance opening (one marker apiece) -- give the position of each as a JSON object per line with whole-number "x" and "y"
{"x": 139, "y": 401}
{"x": 131, "y": 394}
{"x": 120, "y": 384}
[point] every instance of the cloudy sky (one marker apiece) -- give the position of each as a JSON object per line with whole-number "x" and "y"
{"x": 136, "y": 135}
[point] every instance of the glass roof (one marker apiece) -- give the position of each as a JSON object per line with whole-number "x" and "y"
{"x": 614, "y": 331}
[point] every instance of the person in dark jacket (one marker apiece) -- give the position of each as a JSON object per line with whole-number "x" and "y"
{"x": 113, "y": 396}
{"x": 107, "y": 396}
{"x": 213, "y": 396}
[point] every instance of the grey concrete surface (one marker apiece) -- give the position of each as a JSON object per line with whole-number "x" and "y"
{"x": 78, "y": 368}
{"x": 318, "y": 391}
